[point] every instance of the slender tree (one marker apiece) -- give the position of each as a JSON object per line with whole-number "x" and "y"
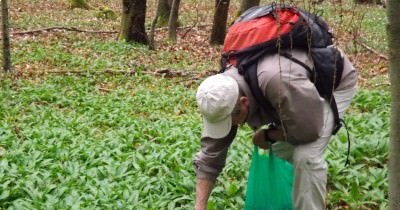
{"x": 393, "y": 6}
{"x": 219, "y": 24}
{"x": 163, "y": 11}
{"x": 173, "y": 20}
{"x": 132, "y": 21}
{"x": 152, "y": 44}
{"x": 246, "y": 4}
{"x": 6, "y": 37}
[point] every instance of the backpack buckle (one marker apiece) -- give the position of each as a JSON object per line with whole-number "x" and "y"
{"x": 337, "y": 127}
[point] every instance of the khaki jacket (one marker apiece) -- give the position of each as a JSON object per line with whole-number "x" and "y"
{"x": 296, "y": 101}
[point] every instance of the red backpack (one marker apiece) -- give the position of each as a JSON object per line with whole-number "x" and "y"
{"x": 263, "y": 30}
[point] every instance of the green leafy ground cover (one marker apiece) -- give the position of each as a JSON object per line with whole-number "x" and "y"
{"x": 66, "y": 144}
{"x": 123, "y": 141}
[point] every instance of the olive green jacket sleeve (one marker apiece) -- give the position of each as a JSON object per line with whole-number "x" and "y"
{"x": 210, "y": 160}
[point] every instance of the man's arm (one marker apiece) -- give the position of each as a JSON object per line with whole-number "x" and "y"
{"x": 208, "y": 163}
{"x": 203, "y": 191}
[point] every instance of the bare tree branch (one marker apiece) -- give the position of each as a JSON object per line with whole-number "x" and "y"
{"x": 371, "y": 49}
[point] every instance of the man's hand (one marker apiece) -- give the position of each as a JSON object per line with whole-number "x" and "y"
{"x": 259, "y": 139}
{"x": 203, "y": 190}
{"x": 273, "y": 133}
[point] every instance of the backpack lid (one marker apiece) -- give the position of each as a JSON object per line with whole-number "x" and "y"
{"x": 248, "y": 33}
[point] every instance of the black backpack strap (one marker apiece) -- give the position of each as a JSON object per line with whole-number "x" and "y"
{"x": 348, "y": 143}
{"x": 332, "y": 101}
{"x": 251, "y": 78}
{"x": 297, "y": 61}
{"x": 290, "y": 57}
{"x": 338, "y": 122}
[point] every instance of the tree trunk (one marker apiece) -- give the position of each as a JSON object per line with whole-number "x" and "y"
{"x": 79, "y": 4}
{"x": 382, "y": 2}
{"x": 163, "y": 11}
{"x": 246, "y": 4}
{"x": 219, "y": 24}
{"x": 393, "y": 7}
{"x": 152, "y": 42}
{"x": 6, "y": 37}
{"x": 173, "y": 20}
{"x": 132, "y": 21}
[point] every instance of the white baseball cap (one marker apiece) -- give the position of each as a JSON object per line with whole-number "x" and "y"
{"x": 216, "y": 98}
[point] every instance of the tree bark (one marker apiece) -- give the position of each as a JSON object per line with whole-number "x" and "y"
{"x": 382, "y": 2}
{"x": 6, "y": 37}
{"x": 246, "y": 4}
{"x": 173, "y": 20}
{"x": 79, "y": 4}
{"x": 163, "y": 11}
{"x": 132, "y": 21}
{"x": 152, "y": 42}
{"x": 219, "y": 24}
{"x": 393, "y": 6}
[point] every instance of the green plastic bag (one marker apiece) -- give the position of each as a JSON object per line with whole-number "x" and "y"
{"x": 270, "y": 182}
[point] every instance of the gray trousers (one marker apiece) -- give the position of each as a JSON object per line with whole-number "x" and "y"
{"x": 310, "y": 167}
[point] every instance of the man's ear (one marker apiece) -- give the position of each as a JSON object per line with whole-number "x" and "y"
{"x": 244, "y": 101}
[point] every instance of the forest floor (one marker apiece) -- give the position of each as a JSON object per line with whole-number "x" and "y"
{"x": 361, "y": 34}
{"x": 90, "y": 122}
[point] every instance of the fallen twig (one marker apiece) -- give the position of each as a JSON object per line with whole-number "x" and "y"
{"x": 382, "y": 84}
{"x": 41, "y": 73}
{"x": 166, "y": 73}
{"x": 372, "y": 50}
{"x": 104, "y": 89}
{"x": 133, "y": 72}
{"x": 62, "y": 28}
{"x": 200, "y": 75}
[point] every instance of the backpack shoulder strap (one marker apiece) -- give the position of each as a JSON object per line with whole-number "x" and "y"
{"x": 338, "y": 122}
{"x": 332, "y": 101}
{"x": 251, "y": 78}
{"x": 290, "y": 57}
